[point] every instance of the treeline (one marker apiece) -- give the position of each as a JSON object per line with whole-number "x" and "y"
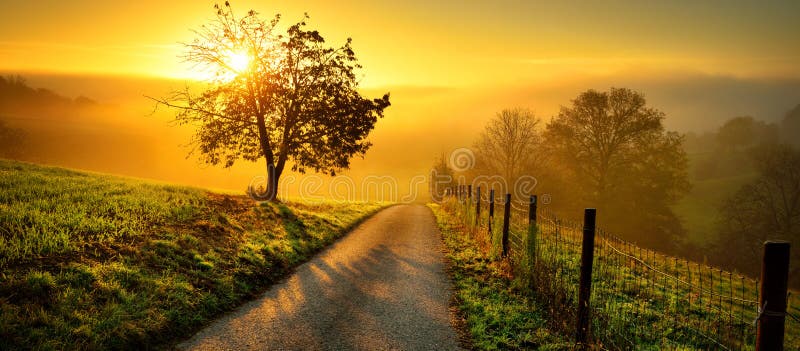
{"x": 767, "y": 206}
{"x": 22, "y": 107}
{"x": 611, "y": 151}
{"x": 43, "y": 126}
{"x": 16, "y": 96}
{"x": 728, "y": 150}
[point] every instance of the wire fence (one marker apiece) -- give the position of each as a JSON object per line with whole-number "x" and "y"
{"x": 640, "y": 298}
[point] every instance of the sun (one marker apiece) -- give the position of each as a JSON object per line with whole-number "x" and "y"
{"x": 231, "y": 64}
{"x": 237, "y": 61}
{"x": 228, "y": 65}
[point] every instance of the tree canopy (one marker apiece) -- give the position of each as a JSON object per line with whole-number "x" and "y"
{"x": 281, "y": 97}
{"x": 615, "y": 152}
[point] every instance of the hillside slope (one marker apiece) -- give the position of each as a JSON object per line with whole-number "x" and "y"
{"x": 92, "y": 261}
{"x": 699, "y": 209}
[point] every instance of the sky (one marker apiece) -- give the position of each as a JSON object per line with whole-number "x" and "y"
{"x": 449, "y": 65}
{"x": 428, "y": 43}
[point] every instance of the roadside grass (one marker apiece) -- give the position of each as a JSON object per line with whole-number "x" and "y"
{"x": 91, "y": 261}
{"x": 498, "y": 315}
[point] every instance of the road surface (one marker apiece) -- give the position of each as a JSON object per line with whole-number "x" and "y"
{"x": 382, "y": 287}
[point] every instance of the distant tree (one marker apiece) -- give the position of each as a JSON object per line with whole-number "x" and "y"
{"x": 509, "y": 146}
{"x": 283, "y": 98}
{"x": 699, "y": 143}
{"x": 790, "y": 127}
{"x": 734, "y": 139}
{"x": 742, "y": 133}
{"x": 767, "y": 208}
{"x": 736, "y": 134}
{"x": 441, "y": 179}
{"x": 614, "y": 150}
{"x": 17, "y": 97}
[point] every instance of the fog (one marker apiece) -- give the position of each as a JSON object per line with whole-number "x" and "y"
{"x": 121, "y": 133}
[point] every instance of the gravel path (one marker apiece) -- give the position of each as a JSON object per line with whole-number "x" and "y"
{"x": 382, "y": 287}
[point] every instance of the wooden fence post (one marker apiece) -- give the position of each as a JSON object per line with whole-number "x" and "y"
{"x": 772, "y": 297}
{"x": 491, "y": 212}
{"x": 530, "y": 248}
{"x": 506, "y": 220}
{"x": 477, "y": 206}
{"x": 585, "y": 289}
{"x": 532, "y": 229}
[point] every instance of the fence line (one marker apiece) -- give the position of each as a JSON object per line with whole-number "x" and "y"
{"x": 640, "y": 297}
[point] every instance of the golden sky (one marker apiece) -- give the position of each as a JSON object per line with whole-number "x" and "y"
{"x": 427, "y": 43}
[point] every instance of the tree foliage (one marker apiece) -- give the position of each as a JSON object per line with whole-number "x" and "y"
{"x": 296, "y": 100}
{"x": 615, "y": 152}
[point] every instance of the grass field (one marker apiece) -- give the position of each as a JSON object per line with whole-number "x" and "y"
{"x": 91, "y": 261}
{"x": 699, "y": 209}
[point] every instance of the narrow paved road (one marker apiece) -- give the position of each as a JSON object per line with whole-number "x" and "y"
{"x": 382, "y": 287}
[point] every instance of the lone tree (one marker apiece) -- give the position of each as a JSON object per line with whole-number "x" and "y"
{"x": 615, "y": 151}
{"x": 286, "y": 98}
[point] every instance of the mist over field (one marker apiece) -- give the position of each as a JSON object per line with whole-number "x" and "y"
{"x": 119, "y": 131}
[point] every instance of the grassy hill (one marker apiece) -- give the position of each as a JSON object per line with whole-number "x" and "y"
{"x": 92, "y": 261}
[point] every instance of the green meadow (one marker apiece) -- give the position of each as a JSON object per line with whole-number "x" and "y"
{"x": 93, "y": 261}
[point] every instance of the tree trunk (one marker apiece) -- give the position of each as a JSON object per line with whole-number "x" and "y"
{"x": 270, "y": 192}
{"x": 272, "y": 183}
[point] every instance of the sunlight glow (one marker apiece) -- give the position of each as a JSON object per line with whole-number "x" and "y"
{"x": 238, "y": 61}
{"x": 231, "y": 64}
